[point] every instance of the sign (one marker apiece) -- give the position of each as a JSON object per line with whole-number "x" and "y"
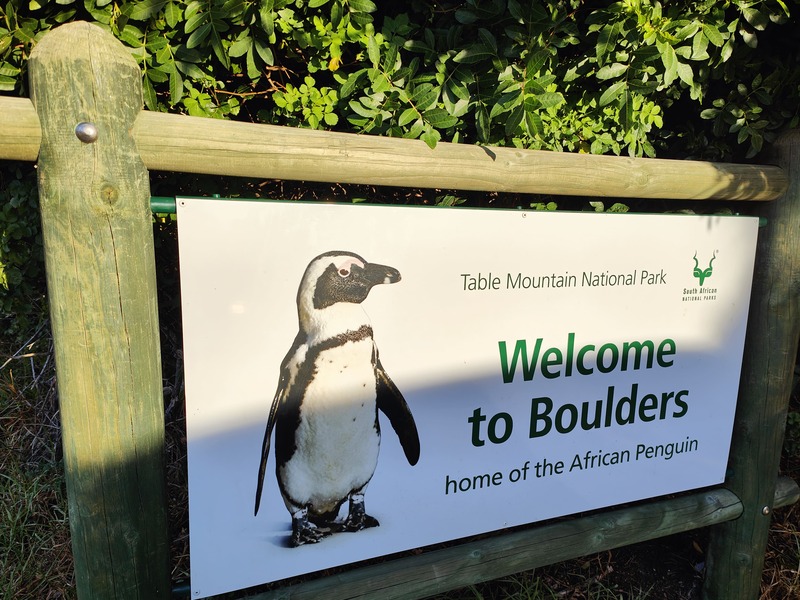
{"x": 526, "y": 365}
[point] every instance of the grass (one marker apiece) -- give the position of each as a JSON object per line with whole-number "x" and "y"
{"x": 534, "y": 586}
{"x": 35, "y": 555}
{"x": 34, "y": 528}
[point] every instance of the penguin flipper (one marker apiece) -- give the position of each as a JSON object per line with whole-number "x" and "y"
{"x": 394, "y": 406}
{"x": 265, "y": 445}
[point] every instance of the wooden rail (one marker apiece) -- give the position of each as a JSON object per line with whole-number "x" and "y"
{"x": 438, "y": 571}
{"x": 94, "y": 195}
{"x": 179, "y": 143}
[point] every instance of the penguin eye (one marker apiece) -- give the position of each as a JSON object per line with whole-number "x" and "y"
{"x": 344, "y": 272}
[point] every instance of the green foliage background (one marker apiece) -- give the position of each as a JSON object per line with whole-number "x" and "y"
{"x": 691, "y": 78}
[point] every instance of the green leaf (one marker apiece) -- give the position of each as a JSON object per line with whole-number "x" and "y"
{"x": 606, "y": 41}
{"x": 536, "y": 61}
{"x": 9, "y": 70}
{"x": 159, "y": 75}
{"x": 450, "y": 200}
{"x": 550, "y": 99}
{"x": 407, "y": 116}
{"x": 727, "y": 51}
{"x": 349, "y": 86}
{"x": 65, "y": 16}
{"x": 416, "y": 130}
{"x": 267, "y": 18}
{"x": 195, "y": 21}
{"x": 357, "y": 107}
{"x": 361, "y": 19}
{"x": 482, "y": 124}
{"x": 612, "y": 93}
{"x": 232, "y": 9}
{"x": 688, "y": 30}
{"x": 597, "y": 205}
{"x": 713, "y": 35}
{"x": 253, "y": 72}
{"x": 611, "y": 71}
{"x": 749, "y": 38}
{"x": 534, "y": 87}
{"x": 534, "y": 123}
{"x": 317, "y": 3}
{"x": 626, "y": 112}
{"x": 390, "y": 61}
{"x": 362, "y": 6}
{"x": 454, "y": 105}
{"x": 373, "y": 51}
{"x": 473, "y": 54}
{"x": 506, "y": 103}
{"x": 514, "y": 120}
{"x": 7, "y": 84}
{"x": 219, "y": 51}
{"x": 142, "y": 11}
{"x": 425, "y": 96}
{"x": 175, "y": 87}
{"x": 378, "y": 81}
{"x": 132, "y": 36}
{"x": 700, "y": 47}
{"x": 189, "y": 69}
{"x": 488, "y": 39}
{"x": 439, "y": 118}
{"x": 670, "y": 61}
{"x": 150, "y": 100}
{"x": 265, "y": 52}
{"x": 172, "y": 14}
{"x": 198, "y": 36}
{"x": 755, "y": 17}
{"x": 465, "y": 16}
{"x": 685, "y": 73}
{"x": 743, "y": 134}
{"x": 240, "y": 47}
{"x": 336, "y": 15}
{"x": 431, "y": 137}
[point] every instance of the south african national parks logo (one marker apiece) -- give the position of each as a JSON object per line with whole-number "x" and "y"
{"x": 703, "y": 292}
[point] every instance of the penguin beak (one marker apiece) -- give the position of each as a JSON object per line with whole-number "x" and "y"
{"x": 376, "y": 274}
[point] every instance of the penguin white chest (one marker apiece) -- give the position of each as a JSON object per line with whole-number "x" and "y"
{"x": 337, "y": 439}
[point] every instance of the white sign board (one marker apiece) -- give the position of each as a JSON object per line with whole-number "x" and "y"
{"x": 542, "y": 363}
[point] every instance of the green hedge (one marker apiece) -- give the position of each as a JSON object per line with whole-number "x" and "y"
{"x": 707, "y": 79}
{"x": 633, "y": 77}
{"x": 21, "y": 255}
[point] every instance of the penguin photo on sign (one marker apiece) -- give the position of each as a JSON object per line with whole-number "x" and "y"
{"x": 325, "y": 411}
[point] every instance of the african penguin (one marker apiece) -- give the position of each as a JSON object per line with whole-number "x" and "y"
{"x": 325, "y": 411}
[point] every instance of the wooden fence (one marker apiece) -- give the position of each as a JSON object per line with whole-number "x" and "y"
{"x": 94, "y": 145}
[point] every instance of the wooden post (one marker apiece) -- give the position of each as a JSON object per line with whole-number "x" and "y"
{"x": 97, "y": 230}
{"x": 736, "y": 553}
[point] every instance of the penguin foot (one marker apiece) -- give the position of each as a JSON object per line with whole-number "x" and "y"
{"x": 357, "y": 524}
{"x": 357, "y": 518}
{"x": 304, "y": 531}
{"x": 306, "y": 534}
